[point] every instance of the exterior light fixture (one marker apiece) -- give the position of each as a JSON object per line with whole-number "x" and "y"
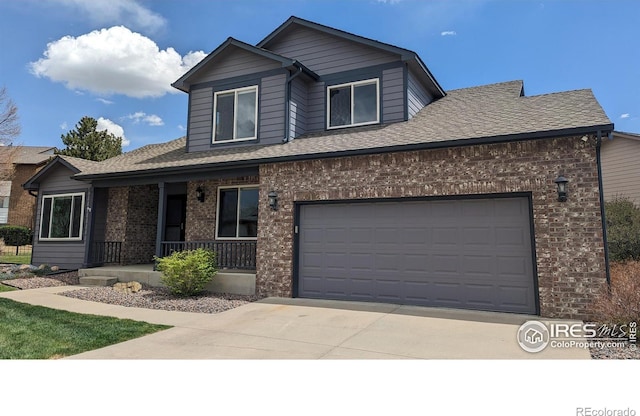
{"x": 200, "y": 194}
{"x": 561, "y": 181}
{"x": 273, "y": 200}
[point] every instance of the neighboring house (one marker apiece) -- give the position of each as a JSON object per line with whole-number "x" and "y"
{"x": 17, "y": 207}
{"x": 621, "y": 166}
{"x": 337, "y": 167}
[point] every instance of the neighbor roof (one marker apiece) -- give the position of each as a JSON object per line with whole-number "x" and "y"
{"x": 485, "y": 114}
{"x": 28, "y": 155}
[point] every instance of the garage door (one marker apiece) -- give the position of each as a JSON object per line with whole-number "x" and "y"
{"x": 470, "y": 254}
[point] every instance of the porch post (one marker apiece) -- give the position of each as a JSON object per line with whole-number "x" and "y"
{"x": 162, "y": 203}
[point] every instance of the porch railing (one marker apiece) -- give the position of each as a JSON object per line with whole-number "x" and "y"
{"x": 230, "y": 254}
{"x": 106, "y": 252}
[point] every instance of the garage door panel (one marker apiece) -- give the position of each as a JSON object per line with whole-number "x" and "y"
{"x": 473, "y": 254}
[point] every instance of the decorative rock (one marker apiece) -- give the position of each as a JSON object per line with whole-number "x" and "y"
{"x": 127, "y": 287}
{"x": 42, "y": 267}
{"x": 24, "y": 267}
{"x": 55, "y": 268}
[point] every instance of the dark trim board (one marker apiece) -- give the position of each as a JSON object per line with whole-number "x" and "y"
{"x": 529, "y": 199}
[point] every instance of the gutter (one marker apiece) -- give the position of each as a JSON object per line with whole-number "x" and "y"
{"x": 602, "y": 210}
{"x": 356, "y": 152}
{"x": 287, "y": 113}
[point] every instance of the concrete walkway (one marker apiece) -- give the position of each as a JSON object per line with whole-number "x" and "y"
{"x": 279, "y": 328}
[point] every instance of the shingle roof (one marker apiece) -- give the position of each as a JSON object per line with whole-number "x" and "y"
{"x": 82, "y": 165}
{"x": 29, "y": 155}
{"x": 498, "y": 112}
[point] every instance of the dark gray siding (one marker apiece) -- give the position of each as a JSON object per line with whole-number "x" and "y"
{"x": 235, "y": 62}
{"x": 66, "y": 255}
{"x": 325, "y": 54}
{"x": 272, "y": 106}
{"x": 392, "y": 95}
{"x": 200, "y": 119}
{"x": 316, "y": 107}
{"x": 298, "y": 107}
{"x": 417, "y": 96}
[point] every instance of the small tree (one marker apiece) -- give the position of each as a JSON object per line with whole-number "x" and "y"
{"x": 186, "y": 273}
{"x": 623, "y": 229}
{"x": 87, "y": 143}
{"x": 15, "y": 236}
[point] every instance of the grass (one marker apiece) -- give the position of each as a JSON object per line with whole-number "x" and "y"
{"x": 36, "y": 332}
{"x": 5, "y": 288}
{"x": 12, "y": 258}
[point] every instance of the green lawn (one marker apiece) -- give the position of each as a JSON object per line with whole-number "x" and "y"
{"x": 36, "y": 332}
{"x": 12, "y": 258}
{"x": 5, "y": 288}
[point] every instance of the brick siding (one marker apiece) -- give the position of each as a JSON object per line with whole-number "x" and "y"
{"x": 569, "y": 246}
{"x": 22, "y": 206}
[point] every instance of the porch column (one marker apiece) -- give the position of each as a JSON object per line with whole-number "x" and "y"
{"x": 162, "y": 203}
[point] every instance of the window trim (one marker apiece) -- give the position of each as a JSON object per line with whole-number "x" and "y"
{"x": 353, "y": 85}
{"x": 52, "y": 196}
{"x": 238, "y": 187}
{"x": 236, "y": 91}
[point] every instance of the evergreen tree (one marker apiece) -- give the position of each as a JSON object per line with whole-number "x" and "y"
{"x": 87, "y": 143}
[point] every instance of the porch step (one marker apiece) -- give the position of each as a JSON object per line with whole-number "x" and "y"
{"x": 98, "y": 280}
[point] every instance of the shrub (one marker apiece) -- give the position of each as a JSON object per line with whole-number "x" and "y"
{"x": 186, "y": 273}
{"x": 15, "y": 235}
{"x": 623, "y": 229}
{"x": 620, "y": 303}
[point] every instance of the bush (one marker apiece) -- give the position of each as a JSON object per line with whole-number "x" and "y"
{"x": 15, "y": 235}
{"x": 623, "y": 229}
{"x": 186, "y": 273}
{"x": 620, "y": 303}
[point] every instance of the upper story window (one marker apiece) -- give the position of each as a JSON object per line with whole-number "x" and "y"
{"x": 353, "y": 104}
{"x": 61, "y": 217}
{"x": 235, "y": 115}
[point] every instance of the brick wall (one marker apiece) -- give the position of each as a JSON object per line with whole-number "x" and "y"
{"x": 22, "y": 206}
{"x": 569, "y": 244}
{"x": 132, "y": 215}
{"x": 200, "y": 224}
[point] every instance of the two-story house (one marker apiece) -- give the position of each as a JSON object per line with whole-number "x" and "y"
{"x": 328, "y": 165}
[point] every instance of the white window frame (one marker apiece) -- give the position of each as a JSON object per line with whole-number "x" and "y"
{"x": 52, "y": 197}
{"x": 238, "y": 187}
{"x": 236, "y": 91}
{"x": 353, "y": 85}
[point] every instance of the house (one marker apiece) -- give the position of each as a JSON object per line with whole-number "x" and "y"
{"x": 336, "y": 166}
{"x": 17, "y": 207}
{"x": 620, "y": 167}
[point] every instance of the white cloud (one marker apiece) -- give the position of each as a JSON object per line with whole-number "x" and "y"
{"x": 113, "y": 128}
{"x": 150, "y": 119}
{"x": 114, "y": 61}
{"x": 448, "y": 33}
{"x": 625, "y": 115}
{"x": 108, "y": 12}
{"x": 104, "y": 101}
{"x": 181, "y": 127}
{"x": 389, "y": 1}
{"x": 64, "y": 125}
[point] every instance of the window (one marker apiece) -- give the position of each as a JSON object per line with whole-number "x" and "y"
{"x": 5, "y": 193}
{"x": 237, "y": 212}
{"x": 353, "y": 104}
{"x": 61, "y": 217}
{"x": 235, "y": 115}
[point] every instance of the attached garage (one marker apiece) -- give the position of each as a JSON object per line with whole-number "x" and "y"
{"x": 473, "y": 253}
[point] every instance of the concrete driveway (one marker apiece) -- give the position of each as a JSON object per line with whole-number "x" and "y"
{"x": 277, "y": 328}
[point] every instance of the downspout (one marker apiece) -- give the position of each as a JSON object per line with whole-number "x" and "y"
{"x": 602, "y": 210}
{"x": 287, "y": 113}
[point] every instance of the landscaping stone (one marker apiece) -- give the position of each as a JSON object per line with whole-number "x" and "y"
{"x": 128, "y": 287}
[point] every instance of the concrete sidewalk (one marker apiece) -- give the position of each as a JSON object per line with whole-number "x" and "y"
{"x": 278, "y": 328}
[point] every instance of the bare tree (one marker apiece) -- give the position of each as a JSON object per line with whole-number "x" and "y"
{"x": 9, "y": 131}
{"x": 9, "y": 123}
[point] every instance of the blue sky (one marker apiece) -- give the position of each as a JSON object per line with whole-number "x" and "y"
{"x": 114, "y": 60}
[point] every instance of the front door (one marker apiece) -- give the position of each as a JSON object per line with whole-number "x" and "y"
{"x": 176, "y": 214}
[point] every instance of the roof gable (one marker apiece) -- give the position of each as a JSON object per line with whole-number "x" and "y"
{"x": 405, "y": 55}
{"x": 226, "y": 48}
{"x": 73, "y": 164}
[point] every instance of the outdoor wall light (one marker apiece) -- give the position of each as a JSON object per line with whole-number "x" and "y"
{"x": 200, "y": 194}
{"x": 561, "y": 181}
{"x": 273, "y": 200}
